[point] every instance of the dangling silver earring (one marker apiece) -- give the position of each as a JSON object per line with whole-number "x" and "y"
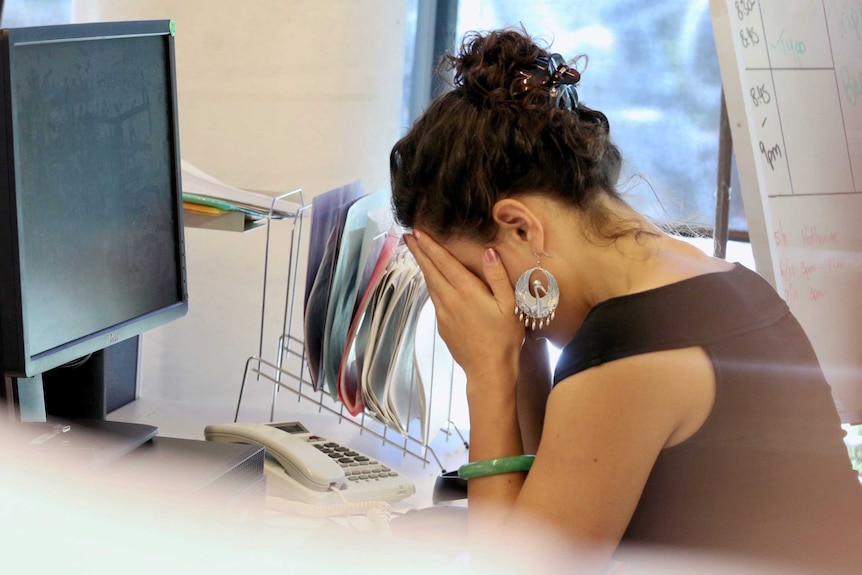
{"x": 535, "y": 304}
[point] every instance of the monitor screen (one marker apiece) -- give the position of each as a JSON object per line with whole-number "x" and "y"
{"x": 91, "y": 231}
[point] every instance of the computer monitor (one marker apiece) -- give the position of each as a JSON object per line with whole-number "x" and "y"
{"x": 91, "y": 220}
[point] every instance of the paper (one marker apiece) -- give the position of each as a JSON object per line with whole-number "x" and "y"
{"x": 345, "y": 279}
{"x": 328, "y": 211}
{"x": 315, "y": 311}
{"x": 373, "y": 377}
{"x": 202, "y": 188}
{"x": 371, "y": 337}
{"x": 388, "y": 387}
{"x": 406, "y": 398}
{"x": 353, "y": 357}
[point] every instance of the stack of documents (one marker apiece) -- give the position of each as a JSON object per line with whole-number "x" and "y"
{"x": 204, "y": 195}
{"x": 371, "y": 340}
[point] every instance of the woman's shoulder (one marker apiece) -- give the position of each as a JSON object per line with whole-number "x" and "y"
{"x": 669, "y": 391}
{"x": 692, "y": 311}
{"x": 606, "y": 426}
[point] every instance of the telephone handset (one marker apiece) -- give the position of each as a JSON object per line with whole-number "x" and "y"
{"x": 306, "y": 467}
{"x": 299, "y": 458}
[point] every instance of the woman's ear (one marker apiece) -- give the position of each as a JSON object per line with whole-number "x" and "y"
{"x": 518, "y": 225}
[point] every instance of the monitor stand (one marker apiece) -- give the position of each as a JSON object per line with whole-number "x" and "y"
{"x": 93, "y": 442}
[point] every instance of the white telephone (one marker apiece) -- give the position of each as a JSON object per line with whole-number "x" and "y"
{"x": 309, "y": 468}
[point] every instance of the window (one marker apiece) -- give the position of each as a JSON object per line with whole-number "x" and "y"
{"x": 17, "y": 13}
{"x": 653, "y": 70}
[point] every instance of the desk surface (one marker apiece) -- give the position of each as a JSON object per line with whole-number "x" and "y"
{"x": 187, "y": 421}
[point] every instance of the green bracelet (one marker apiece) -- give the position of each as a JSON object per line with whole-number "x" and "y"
{"x": 497, "y": 466}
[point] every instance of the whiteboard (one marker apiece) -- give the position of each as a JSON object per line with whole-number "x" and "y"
{"x": 792, "y": 77}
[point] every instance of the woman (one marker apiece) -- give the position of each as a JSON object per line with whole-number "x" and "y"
{"x": 687, "y": 409}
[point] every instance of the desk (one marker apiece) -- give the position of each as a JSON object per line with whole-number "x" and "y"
{"x": 128, "y": 518}
{"x": 187, "y": 420}
{"x": 228, "y": 475}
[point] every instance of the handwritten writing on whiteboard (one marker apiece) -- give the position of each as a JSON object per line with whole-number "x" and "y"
{"x": 744, "y": 8}
{"x": 852, "y": 85}
{"x": 845, "y": 27}
{"x": 792, "y": 69}
{"x": 849, "y": 16}
{"x": 792, "y": 72}
{"x": 811, "y": 237}
{"x": 794, "y": 48}
{"x": 771, "y": 154}
{"x": 814, "y": 265}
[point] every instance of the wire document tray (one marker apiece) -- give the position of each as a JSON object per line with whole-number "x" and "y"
{"x": 288, "y": 369}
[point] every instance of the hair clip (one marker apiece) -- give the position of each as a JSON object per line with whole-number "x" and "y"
{"x": 551, "y": 72}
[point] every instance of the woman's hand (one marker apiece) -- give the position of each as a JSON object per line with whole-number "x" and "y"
{"x": 474, "y": 317}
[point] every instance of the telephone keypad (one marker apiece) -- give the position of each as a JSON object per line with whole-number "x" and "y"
{"x": 357, "y": 467}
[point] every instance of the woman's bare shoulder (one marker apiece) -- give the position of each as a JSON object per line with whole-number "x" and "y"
{"x": 603, "y": 431}
{"x": 667, "y": 393}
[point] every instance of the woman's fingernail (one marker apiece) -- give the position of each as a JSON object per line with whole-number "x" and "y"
{"x": 416, "y": 234}
{"x": 490, "y": 255}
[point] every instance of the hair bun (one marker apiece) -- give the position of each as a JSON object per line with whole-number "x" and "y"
{"x": 486, "y": 65}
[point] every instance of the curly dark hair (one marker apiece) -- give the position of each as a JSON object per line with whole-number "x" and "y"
{"x": 479, "y": 143}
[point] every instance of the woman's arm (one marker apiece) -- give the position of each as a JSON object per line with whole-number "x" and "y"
{"x": 534, "y": 385}
{"x": 604, "y": 429}
{"x": 475, "y": 319}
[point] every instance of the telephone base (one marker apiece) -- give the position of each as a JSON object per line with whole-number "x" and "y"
{"x": 280, "y": 485}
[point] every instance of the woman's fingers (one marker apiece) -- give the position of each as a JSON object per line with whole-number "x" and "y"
{"x": 446, "y": 276}
{"x": 440, "y": 268}
{"x": 497, "y": 279}
{"x": 473, "y": 309}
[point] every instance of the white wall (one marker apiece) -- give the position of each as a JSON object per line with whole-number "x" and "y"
{"x": 273, "y": 95}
